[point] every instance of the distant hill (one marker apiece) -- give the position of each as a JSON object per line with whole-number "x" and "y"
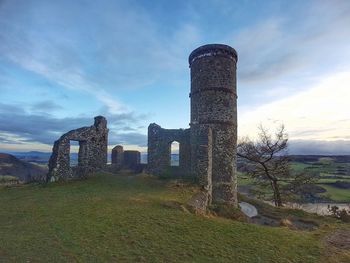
{"x": 24, "y": 171}
{"x": 40, "y": 157}
{"x": 315, "y": 158}
{"x": 43, "y": 157}
{"x": 33, "y": 156}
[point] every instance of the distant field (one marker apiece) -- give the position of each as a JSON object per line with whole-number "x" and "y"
{"x": 329, "y": 170}
{"x": 244, "y": 179}
{"x": 6, "y": 178}
{"x": 336, "y": 194}
{"x": 137, "y": 219}
{"x": 298, "y": 167}
{"x": 330, "y": 180}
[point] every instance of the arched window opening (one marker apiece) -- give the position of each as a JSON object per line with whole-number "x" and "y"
{"x": 73, "y": 153}
{"x": 174, "y": 155}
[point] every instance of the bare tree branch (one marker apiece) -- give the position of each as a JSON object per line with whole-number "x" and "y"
{"x": 267, "y": 160}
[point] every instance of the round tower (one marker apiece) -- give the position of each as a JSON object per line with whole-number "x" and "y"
{"x": 214, "y": 120}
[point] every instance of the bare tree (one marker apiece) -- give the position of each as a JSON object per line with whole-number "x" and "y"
{"x": 267, "y": 159}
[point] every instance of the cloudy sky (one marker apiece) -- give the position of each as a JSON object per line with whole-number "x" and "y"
{"x": 64, "y": 62}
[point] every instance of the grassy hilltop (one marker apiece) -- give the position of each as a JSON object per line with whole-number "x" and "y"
{"x": 109, "y": 218}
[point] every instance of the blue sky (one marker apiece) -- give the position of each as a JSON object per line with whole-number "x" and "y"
{"x": 64, "y": 62}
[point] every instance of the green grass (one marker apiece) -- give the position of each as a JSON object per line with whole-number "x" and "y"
{"x": 336, "y": 194}
{"x": 134, "y": 219}
{"x": 325, "y": 167}
{"x": 7, "y": 178}
{"x": 326, "y": 160}
{"x": 332, "y": 180}
{"x": 328, "y": 167}
{"x": 243, "y": 179}
{"x": 299, "y": 167}
{"x": 321, "y": 174}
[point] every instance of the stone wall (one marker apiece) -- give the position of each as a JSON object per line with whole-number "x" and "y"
{"x": 125, "y": 159}
{"x": 208, "y": 148}
{"x": 159, "y": 148}
{"x": 132, "y": 159}
{"x": 118, "y": 155}
{"x": 92, "y": 152}
{"x": 214, "y": 107}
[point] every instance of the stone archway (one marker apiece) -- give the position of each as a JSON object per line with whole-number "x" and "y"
{"x": 92, "y": 152}
{"x": 175, "y": 154}
{"x": 159, "y": 149}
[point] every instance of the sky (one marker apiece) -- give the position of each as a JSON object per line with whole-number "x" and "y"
{"x": 64, "y": 62}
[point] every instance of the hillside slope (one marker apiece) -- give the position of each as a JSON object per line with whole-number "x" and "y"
{"x": 136, "y": 219}
{"x": 25, "y": 172}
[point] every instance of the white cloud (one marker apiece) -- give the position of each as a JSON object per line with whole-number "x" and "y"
{"x": 318, "y": 113}
{"x": 97, "y": 49}
{"x": 287, "y": 51}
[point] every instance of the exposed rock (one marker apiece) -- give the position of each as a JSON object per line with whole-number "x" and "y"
{"x": 92, "y": 152}
{"x": 248, "y": 209}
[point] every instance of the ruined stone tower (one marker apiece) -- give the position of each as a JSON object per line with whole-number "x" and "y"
{"x": 208, "y": 148}
{"x": 214, "y": 120}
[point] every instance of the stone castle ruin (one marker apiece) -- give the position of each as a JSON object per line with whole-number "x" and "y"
{"x": 207, "y": 150}
{"x": 92, "y": 152}
{"x": 125, "y": 159}
{"x": 159, "y": 148}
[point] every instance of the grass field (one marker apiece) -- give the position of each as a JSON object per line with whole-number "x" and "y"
{"x": 324, "y": 167}
{"x": 7, "y": 177}
{"x": 136, "y": 219}
{"x": 327, "y": 169}
{"x": 330, "y": 180}
{"x": 337, "y": 194}
{"x": 299, "y": 167}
